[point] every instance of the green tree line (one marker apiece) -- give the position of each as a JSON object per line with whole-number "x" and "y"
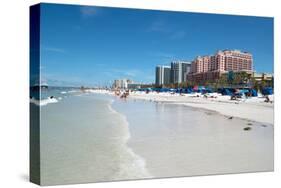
{"x": 239, "y": 79}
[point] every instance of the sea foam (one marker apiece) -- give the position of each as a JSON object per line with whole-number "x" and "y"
{"x": 133, "y": 166}
{"x": 44, "y": 101}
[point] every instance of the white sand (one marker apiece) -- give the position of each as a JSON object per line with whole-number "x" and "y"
{"x": 253, "y": 108}
{"x": 175, "y": 140}
{"x": 168, "y": 136}
{"x": 162, "y": 140}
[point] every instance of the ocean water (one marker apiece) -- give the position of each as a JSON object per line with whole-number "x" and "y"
{"x": 88, "y": 137}
{"x": 84, "y": 140}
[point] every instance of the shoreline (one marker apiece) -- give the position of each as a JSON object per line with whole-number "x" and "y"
{"x": 181, "y": 141}
{"x": 252, "y": 109}
{"x": 138, "y": 164}
{"x": 149, "y": 135}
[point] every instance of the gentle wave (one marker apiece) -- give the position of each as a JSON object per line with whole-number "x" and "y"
{"x": 73, "y": 91}
{"x": 70, "y": 91}
{"x": 137, "y": 167}
{"x": 44, "y": 101}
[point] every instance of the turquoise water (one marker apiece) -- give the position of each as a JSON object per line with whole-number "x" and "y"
{"x": 94, "y": 137}
{"x": 84, "y": 140}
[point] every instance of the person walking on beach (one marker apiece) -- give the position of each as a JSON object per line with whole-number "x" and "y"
{"x": 235, "y": 94}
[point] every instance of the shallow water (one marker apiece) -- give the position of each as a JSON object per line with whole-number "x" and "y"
{"x": 84, "y": 140}
{"x": 94, "y": 137}
{"x": 176, "y": 140}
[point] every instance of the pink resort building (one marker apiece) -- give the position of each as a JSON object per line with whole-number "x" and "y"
{"x": 211, "y": 67}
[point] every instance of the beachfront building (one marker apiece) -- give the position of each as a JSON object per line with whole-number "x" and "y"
{"x": 262, "y": 76}
{"x": 211, "y": 67}
{"x": 134, "y": 85}
{"x": 179, "y": 71}
{"x": 162, "y": 75}
{"x": 121, "y": 83}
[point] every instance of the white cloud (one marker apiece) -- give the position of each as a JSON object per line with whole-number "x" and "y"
{"x": 161, "y": 26}
{"x": 178, "y": 35}
{"x": 88, "y": 11}
{"x": 52, "y": 49}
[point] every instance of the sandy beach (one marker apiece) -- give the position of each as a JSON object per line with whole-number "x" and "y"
{"x": 130, "y": 94}
{"x": 102, "y": 137}
{"x": 178, "y": 140}
{"x": 254, "y": 108}
{"x": 189, "y": 134}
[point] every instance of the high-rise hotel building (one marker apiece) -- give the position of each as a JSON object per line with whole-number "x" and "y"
{"x": 212, "y": 67}
{"x": 179, "y": 71}
{"x": 121, "y": 83}
{"x": 176, "y": 73}
{"x": 162, "y": 75}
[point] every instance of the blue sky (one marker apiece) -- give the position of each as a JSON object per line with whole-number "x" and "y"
{"x": 83, "y": 45}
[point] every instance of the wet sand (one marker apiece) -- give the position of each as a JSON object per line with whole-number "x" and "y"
{"x": 90, "y": 137}
{"x": 177, "y": 140}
